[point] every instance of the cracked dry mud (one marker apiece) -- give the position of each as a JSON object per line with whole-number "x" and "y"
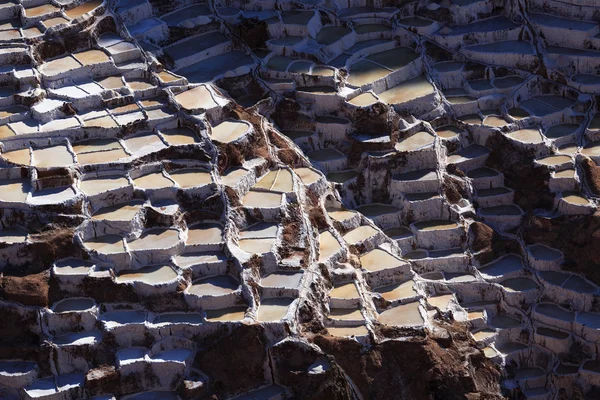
{"x": 319, "y": 199}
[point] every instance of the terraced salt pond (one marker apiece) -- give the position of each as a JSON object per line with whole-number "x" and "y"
{"x": 328, "y": 246}
{"x": 214, "y": 286}
{"x": 180, "y": 136}
{"x": 271, "y": 310}
{"x": 359, "y": 234}
{"x": 378, "y": 260}
{"x": 397, "y": 291}
{"x": 190, "y": 178}
{"x": 151, "y": 275}
{"x": 229, "y": 131}
{"x": 403, "y": 315}
{"x": 155, "y": 239}
{"x": 408, "y": 90}
{"x": 121, "y": 212}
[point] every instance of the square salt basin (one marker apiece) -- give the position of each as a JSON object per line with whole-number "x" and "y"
{"x": 14, "y": 190}
{"x": 83, "y": 8}
{"x": 190, "y": 178}
{"x": 52, "y": 196}
{"x": 359, "y": 234}
{"x": 103, "y": 184}
{"x": 180, "y": 136}
{"x": 256, "y": 199}
{"x": 51, "y": 157}
{"x": 226, "y": 314}
{"x": 378, "y": 260}
{"x": 155, "y": 239}
{"x": 120, "y": 212}
{"x": 205, "y": 233}
{"x": 328, "y": 246}
{"x": 144, "y": 143}
{"x": 59, "y": 66}
{"x": 271, "y": 310}
{"x": 197, "y": 98}
{"x": 229, "y": 131}
{"x": 153, "y": 181}
{"x": 404, "y": 315}
{"x": 91, "y": 57}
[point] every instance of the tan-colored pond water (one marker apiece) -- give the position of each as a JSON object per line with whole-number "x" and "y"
{"x": 193, "y": 177}
{"x": 402, "y": 315}
{"x": 196, "y": 98}
{"x": 364, "y": 72}
{"x": 567, "y": 173}
{"x": 73, "y": 266}
{"x": 473, "y": 315}
{"x": 346, "y": 331}
{"x": 256, "y": 199}
{"x": 20, "y": 157}
{"x": 527, "y": 136}
{"x": 435, "y": 225}
{"x": 205, "y": 233}
{"x": 256, "y": 246}
{"x": 144, "y": 142}
{"x": 180, "y": 136}
{"x": 232, "y": 176}
{"x": 377, "y": 260}
{"x": 448, "y": 131}
{"x": 397, "y": 291}
{"x": 83, "y": 8}
{"x": 276, "y": 180}
{"x": 591, "y": 149}
{"x": 111, "y": 82}
{"x": 155, "y": 239}
{"x": 554, "y": 160}
{"x": 575, "y": 198}
{"x": 282, "y": 279}
{"x": 359, "y": 234}
{"x": 341, "y": 215}
{"x": 54, "y": 156}
{"x": 273, "y": 309}
{"x": 307, "y": 175}
{"x": 328, "y": 245}
{"x": 40, "y": 10}
{"x": 121, "y": 212}
{"x": 364, "y": 99}
{"x": 416, "y": 141}
{"x": 346, "y": 314}
{"x": 151, "y": 275}
{"x": 229, "y": 131}
{"x": 440, "y": 302}
{"x": 104, "y": 184}
{"x": 345, "y": 291}
{"x": 226, "y": 314}
{"x": 108, "y": 244}
{"x": 155, "y": 180}
{"x": 91, "y": 57}
{"x": 167, "y": 77}
{"x": 495, "y": 121}
{"x": 407, "y": 91}
{"x": 214, "y": 286}
{"x": 484, "y": 334}
{"x": 14, "y": 190}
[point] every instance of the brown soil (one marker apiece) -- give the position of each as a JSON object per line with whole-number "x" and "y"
{"x": 30, "y": 290}
{"x": 417, "y": 369}
{"x": 592, "y": 175}
{"x": 234, "y": 363}
{"x": 577, "y": 237}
